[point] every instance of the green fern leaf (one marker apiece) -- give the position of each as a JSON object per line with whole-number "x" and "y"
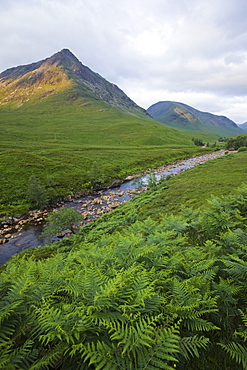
{"x": 189, "y": 346}
{"x": 237, "y": 352}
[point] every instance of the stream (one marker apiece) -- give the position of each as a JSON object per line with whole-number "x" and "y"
{"x": 92, "y": 206}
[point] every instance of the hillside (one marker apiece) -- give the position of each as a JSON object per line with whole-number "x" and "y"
{"x": 184, "y": 117}
{"x": 243, "y": 126}
{"x": 60, "y": 121}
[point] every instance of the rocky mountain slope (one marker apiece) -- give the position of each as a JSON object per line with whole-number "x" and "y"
{"x": 182, "y": 116}
{"x": 62, "y": 71}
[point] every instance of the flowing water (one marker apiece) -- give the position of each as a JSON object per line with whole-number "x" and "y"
{"x": 95, "y": 205}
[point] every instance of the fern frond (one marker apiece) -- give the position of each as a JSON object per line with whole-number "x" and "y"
{"x": 237, "y": 352}
{"x": 5, "y": 352}
{"x": 50, "y": 359}
{"x": 189, "y": 346}
{"x": 144, "y": 228}
{"x": 180, "y": 292}
{"x": 24, "y": 356}
{"x": 202, "y": 266}
{"x": 9, "y": 309}
{"x": 199, "y": 324}
{"x": 237, "y": 269}
{"x": 132, "y": 336}
{"x": 101, "y": 356}
{"x": 175, "y": 223}
{"x": 244, "y": 317}
{"x": 164, "y": 350}
{"x": 7, "y": 330}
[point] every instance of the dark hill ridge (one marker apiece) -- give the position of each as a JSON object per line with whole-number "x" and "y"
{"x": 60, "y": 72}
{"x": 182, "y": 116}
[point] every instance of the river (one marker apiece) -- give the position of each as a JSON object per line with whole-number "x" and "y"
{"x": 93, "y": 206}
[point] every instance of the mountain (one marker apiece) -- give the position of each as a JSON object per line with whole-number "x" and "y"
{"x": 182, "y": 116}
{"x": 243, "y": 126}
{"x": 63, "y": 70}
{"x": 73, "y": 130}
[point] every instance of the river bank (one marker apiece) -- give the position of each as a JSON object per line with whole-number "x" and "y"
{"x": 19, "y": 234}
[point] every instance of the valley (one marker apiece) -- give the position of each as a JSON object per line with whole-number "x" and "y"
{"x": 24, "y": 233}
{"x": 83, "y": 123}
{"x": 154, "y": 280}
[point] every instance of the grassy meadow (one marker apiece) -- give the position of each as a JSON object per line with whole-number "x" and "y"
{"x": 59, "y": 140}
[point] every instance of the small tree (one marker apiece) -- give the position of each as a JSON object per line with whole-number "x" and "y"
{"x": 197, "y": 142}
{"x": 58, "y": 221}
{"x": 36, "y": 193}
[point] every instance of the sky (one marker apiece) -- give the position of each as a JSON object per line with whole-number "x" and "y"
{"x": 189, "y": 51}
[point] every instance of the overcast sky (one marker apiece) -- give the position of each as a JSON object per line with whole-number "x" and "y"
{"x": 191, "y": 51}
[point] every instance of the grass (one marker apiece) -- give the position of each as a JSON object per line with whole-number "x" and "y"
{"x": 58, "y": 139}
{"x": 191, "y": 189}
{"x": 194, "y": 187}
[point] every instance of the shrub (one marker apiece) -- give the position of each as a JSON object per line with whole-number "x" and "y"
{"x": 58, "y": 221}
{"x": 242, "y": 149}
{"x": 197, "y": 142}
{"x": 36, "y": 193}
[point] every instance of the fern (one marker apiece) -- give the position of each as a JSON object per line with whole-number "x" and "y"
{"x": 114, "y": 299}
{"x": 199, "y": 325}
{"x": 189, "y": 346}
{"x": 131, "y": 336}
{"x": 237, "y": 268}
{"x": 237, "y": 352}
{"x": 50, "y": 359}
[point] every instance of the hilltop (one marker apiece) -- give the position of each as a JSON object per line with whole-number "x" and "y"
{"x": 184, "y": 117}
{"x": 61, "y": 71}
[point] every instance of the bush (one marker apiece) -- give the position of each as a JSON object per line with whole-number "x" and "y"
{"x": 58, "y": 221}
{"x": 236, "y": 142}
{"x": 242, "y": 149}
{"x": 197, "y": 142}
{"x": 36, "y": 193}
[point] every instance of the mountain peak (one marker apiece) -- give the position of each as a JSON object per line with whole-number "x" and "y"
{"x": 64, "y": 57}
{"x": 62, "y": 71}
{"x": 63, "y": 54}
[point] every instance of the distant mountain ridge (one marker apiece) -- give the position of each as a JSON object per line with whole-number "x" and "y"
{"x": 243, "y": 126}
{"x": 61, "y": 71}
{"x": 182, "y": 116}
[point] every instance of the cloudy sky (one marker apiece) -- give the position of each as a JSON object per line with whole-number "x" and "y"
{"x": 191, "y": 51}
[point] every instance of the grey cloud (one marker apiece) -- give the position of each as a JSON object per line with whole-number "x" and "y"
{"x": 152, "y": 50}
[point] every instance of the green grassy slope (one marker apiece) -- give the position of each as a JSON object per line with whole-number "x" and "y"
{"x": 59, "y": 138}
{"x": 59, "y": 120}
